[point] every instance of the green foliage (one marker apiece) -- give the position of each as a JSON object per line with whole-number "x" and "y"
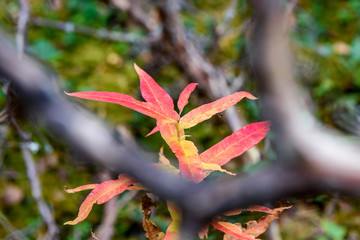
{"x": 332, "y": 230}
{"x": 44, "y": 49}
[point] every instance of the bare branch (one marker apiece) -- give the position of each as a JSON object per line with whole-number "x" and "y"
{"x": 326, "y": 151}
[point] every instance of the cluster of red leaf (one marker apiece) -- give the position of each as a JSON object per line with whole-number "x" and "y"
{"x": 192, "y": 165}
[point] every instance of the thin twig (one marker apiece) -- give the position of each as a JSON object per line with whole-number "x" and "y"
{"x": 35, "y": 185}
{"x": 21, "y": 27}
{"x": 13, "y": 232}
{"x": 101, "y": 33}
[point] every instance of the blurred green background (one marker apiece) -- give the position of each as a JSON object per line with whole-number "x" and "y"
{"x": 326, "y": 42}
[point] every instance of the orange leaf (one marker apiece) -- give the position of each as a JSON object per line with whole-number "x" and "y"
{"x": 145, "y": 108}
{"x": 189, "y": 160}
{"x": 153, "y": 93}
{"x": 184, "y": 96}
{"x": 257, "y": 228}
{"x": 258, "y": 208}
{"x": 206, "y": 111}
{"x": 232, "y": 229}
{"x": 101, "y": 194}
{"x": 236, "y": 144}
{"x": 81, "y": 188}
{"x": 254, "y": 228}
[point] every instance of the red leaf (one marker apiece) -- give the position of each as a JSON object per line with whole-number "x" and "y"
{"x": 184, "y": 96}
{"x": 153, "y": 93}
{"x": 236, "y": 144}
{"x": 101, "y": 194}
{"x": 206, "y": 111}
{"x": 148, "y": 109}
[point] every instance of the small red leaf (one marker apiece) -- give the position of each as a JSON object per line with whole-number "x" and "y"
{"x": 145, "y": 108}
{"x": 206, "y": 111}
{"x": 101, "y": 194}
{"x": 184, "y": 96}
{"x": 153, "y": 93}
{"x": 236, "y": 144}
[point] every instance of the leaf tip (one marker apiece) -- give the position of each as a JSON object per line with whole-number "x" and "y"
{"x": 70, "y": 223}
{"x": 250, "y": 96}
{"x": 138, "y": 69}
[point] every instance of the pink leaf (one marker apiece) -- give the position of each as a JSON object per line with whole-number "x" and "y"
{"x": 206, "y": 111}
{"x": 236, "y": 144}
{"x": 145, "y": 108}
{"x": 81, "y": 188}
{"x": 184, "y": 96}
{"x": 153, "y": 93}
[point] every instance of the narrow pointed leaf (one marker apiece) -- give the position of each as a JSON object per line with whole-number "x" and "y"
{"x": 184, "y": 96}
{"x": 206, "y": 111}
{"x": 257, "y": 208}
{"x": 81, "y": 188}
{"x": 153, "y": 93}
{"x": 155, "y": 129}
{"x": 232, "y": 229}
{"x": 101, "y": 194}
{"x": 145, "y": 108}
{"x": 236, "y": 144}
{"x": 189, "y": 160}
